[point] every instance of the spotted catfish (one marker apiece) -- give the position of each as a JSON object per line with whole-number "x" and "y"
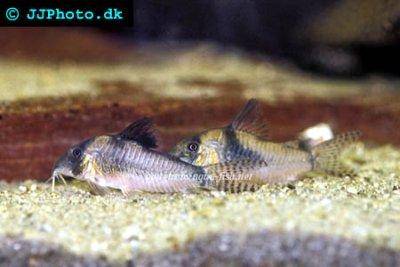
{"x": 221, "y": 144}
{"x": 242, "y": 148}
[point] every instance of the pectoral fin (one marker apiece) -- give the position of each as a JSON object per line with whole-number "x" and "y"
{"x": 97, "y": 189}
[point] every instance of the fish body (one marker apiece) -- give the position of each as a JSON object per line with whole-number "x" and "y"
{"x": 235, "y": 158}
{"x": 282, "y": 163}
{"x": 126, "y": 161}
{"x": 277, "y": 163}
{"x": 242, "y": 148}
{"x": 222, "y": 144}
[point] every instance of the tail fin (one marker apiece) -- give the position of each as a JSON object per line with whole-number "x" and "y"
{"x": 325, "y": 155}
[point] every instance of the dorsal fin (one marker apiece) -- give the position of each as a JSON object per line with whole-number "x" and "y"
{"x": 141, "y": 132}
{"x": 249, "y": 120}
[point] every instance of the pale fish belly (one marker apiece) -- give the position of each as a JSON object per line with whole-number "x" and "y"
{"x": 283, "y": 173}
{"x": 154, "y": 183}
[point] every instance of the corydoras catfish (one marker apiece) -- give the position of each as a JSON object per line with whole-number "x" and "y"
{"x": 243, "y": 147}
{"x": 128, "y": 161}
{"x": 221, "y": 145}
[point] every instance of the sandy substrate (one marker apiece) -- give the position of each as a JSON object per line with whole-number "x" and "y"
{"x": 364, "y": 210}
{"x": 46, "y": 107}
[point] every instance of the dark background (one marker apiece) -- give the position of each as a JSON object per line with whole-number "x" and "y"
{"x": 344, "y": 38}
{"x": 337, "y": 37}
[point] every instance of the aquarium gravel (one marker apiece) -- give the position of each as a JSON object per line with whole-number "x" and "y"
{"x": 364, "y": 209}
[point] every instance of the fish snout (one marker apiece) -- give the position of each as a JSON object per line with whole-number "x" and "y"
{"x": 59, "y": 172}
{"x": 61, "y": 168}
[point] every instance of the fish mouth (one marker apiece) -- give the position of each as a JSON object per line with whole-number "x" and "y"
{"x": 58, "y": 175}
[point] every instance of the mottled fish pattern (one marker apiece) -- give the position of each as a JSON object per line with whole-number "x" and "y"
{"x": 242, "y": 151}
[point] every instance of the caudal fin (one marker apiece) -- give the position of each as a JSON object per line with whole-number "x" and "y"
{"x": 326, "y": 155}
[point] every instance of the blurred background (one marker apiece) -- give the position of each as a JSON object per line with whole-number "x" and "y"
{"x": 339, "y": 37}
{"x": 191, "y": 65}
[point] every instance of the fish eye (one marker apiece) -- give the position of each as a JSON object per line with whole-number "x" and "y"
{"x": 193, "y": 147}
{"x": 77, "y": 152}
